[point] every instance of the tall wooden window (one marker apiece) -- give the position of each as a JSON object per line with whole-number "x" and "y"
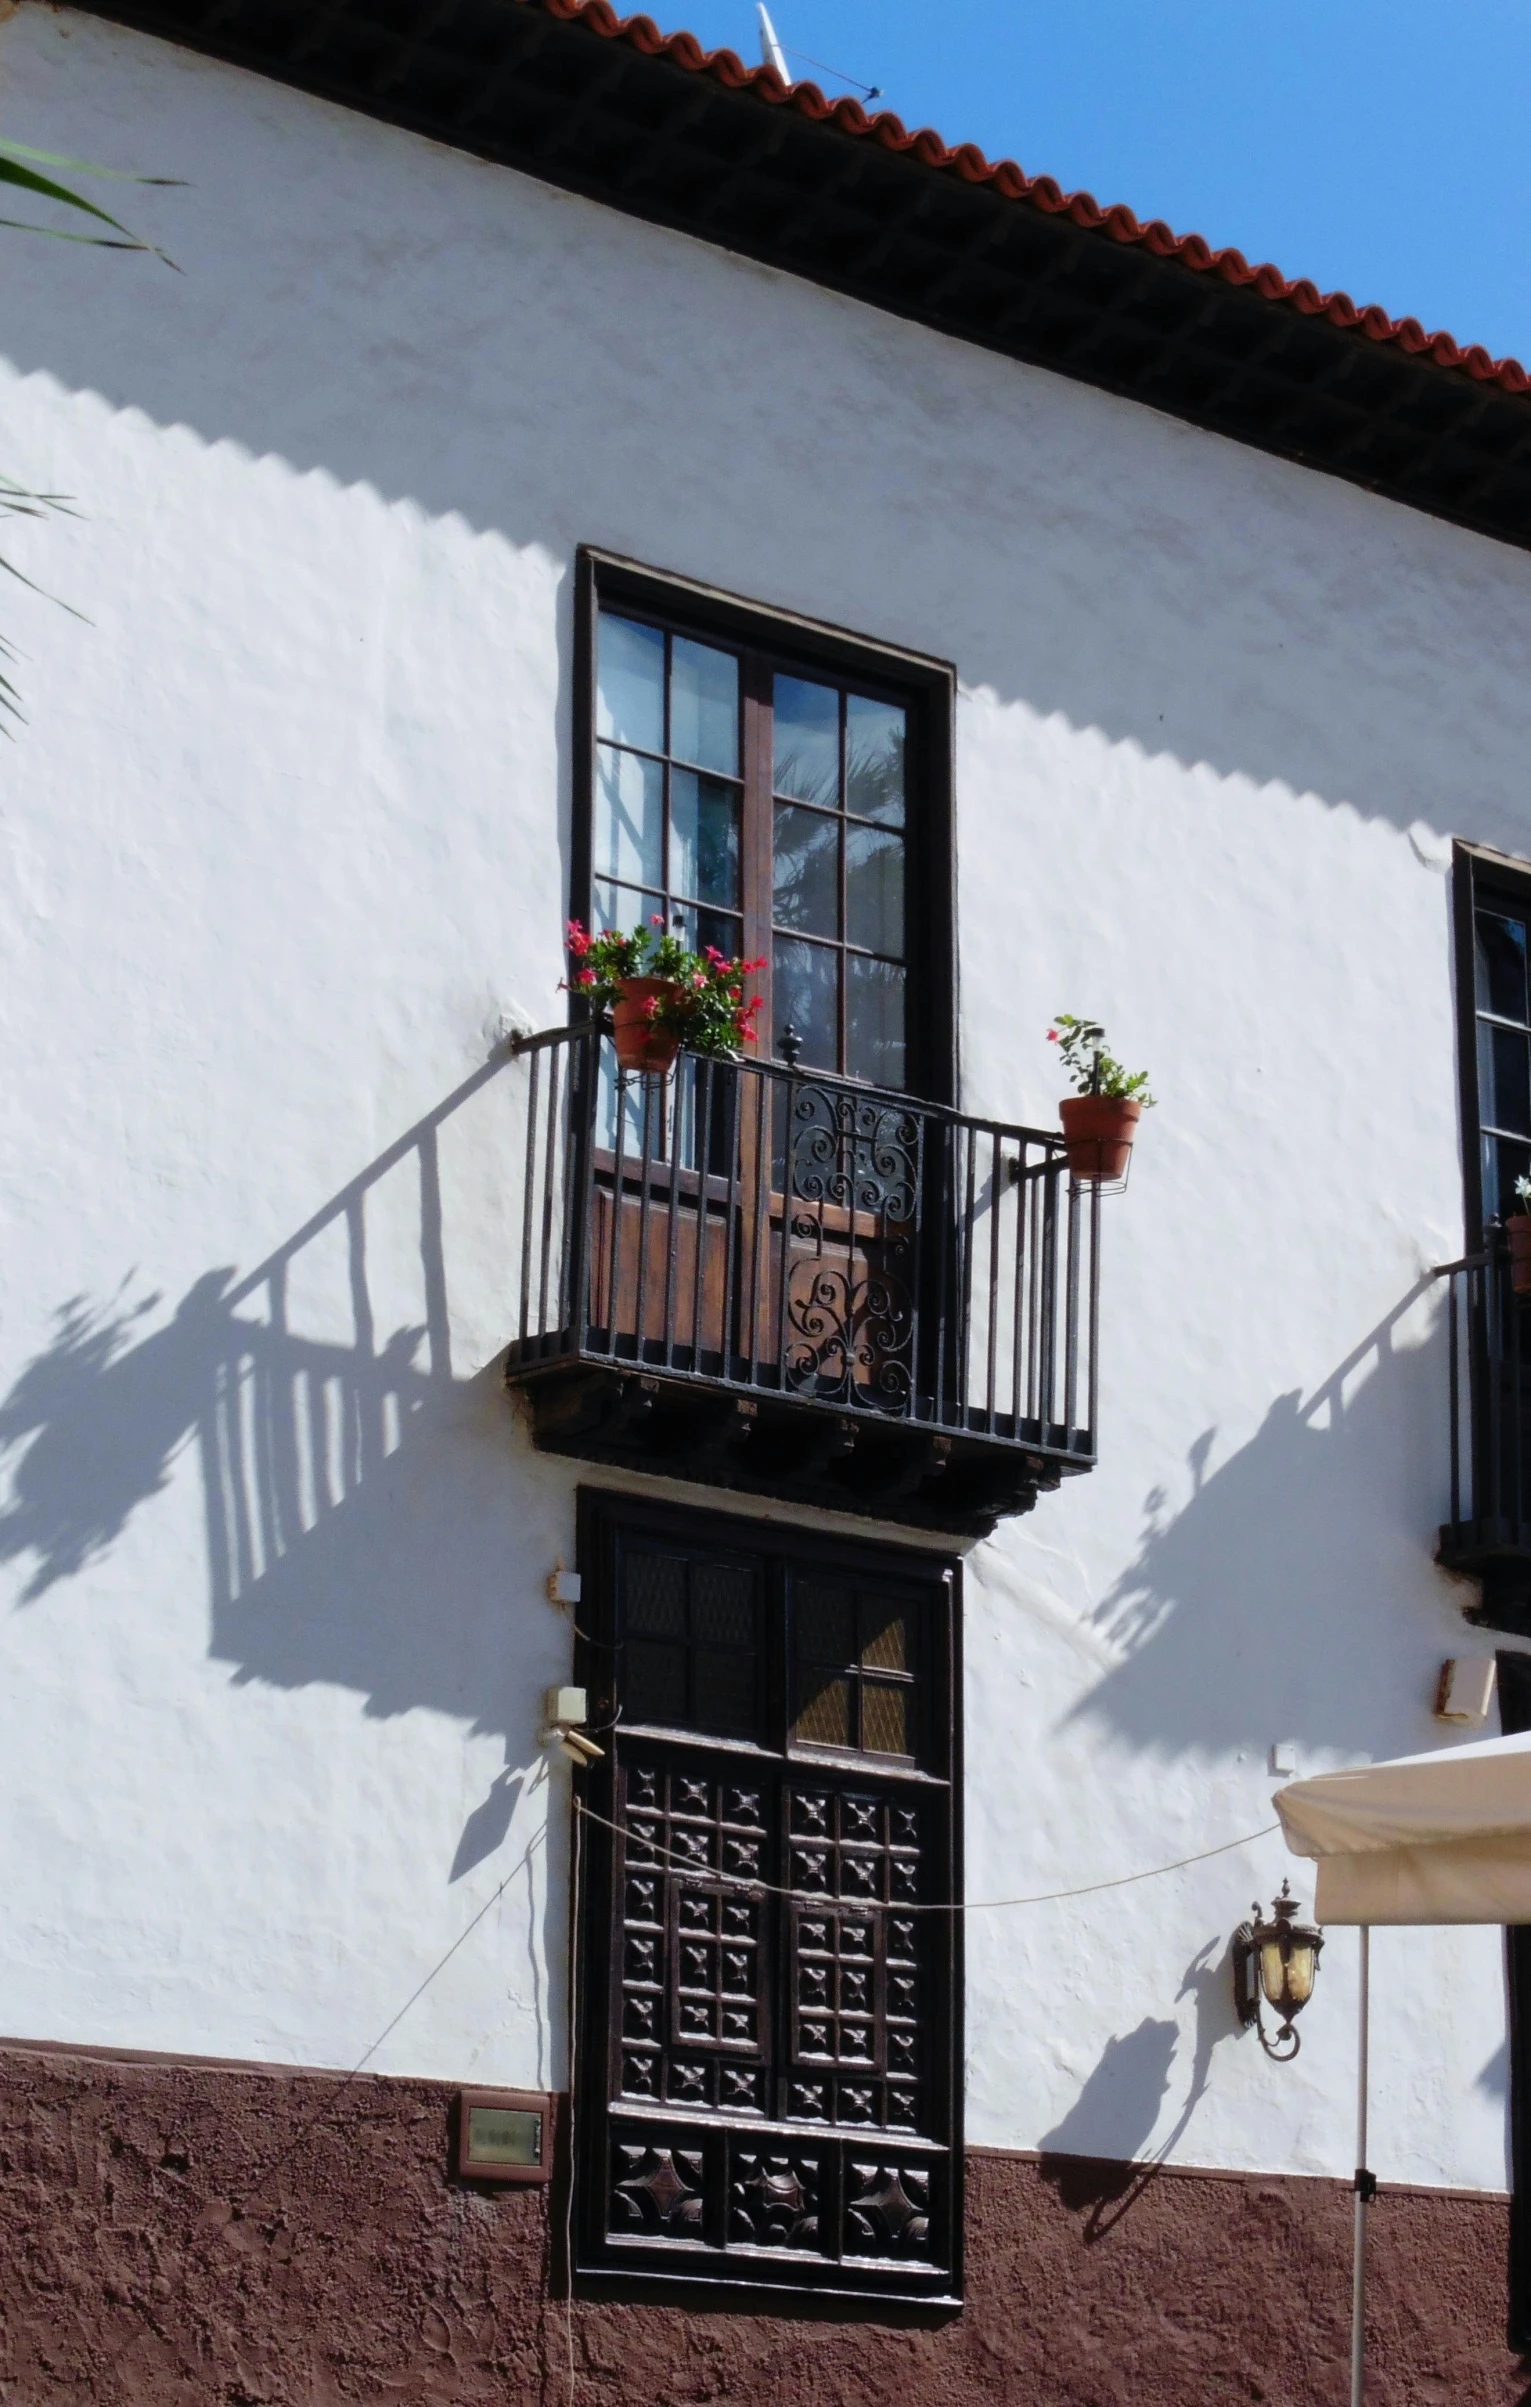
{"x": 768, "y": 2089}
{"x": 778, "y": 792}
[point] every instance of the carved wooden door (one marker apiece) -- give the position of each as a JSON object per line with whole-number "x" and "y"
{"x": 770, "y": 2048}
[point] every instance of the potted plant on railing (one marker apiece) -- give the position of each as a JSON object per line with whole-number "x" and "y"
{"x": 1100, "y": 1119}
{"x": 661, "y": 995}
{"x": 1517, "y": 1234}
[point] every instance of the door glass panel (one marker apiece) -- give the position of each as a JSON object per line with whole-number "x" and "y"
{"x": 704, "y": 833}
{"x": 806, "y": 749}
{"x": 882, "y": 1645}
{"x": 704, "y": 706}
{"x": 874, "y": 759}
{"x": 874, "y": 889}
{"x": 656, "y": 1595}
{"x": 807, "y": 997}
{"x": 629, "y": 817}
{"x": 826, "y": 1622}
{"x": 629, "y": 705}
{"x": 624, "y": 907}
{"x": 656, "y": 1682}
{"x": 725, "y": 1690}
{"x": 1501, "y": 966}
{"x": 874, "y": 1020}
{"x": 807, "y": 871}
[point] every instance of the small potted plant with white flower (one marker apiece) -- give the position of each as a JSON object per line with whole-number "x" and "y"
{"x": 1517, "y": 1234}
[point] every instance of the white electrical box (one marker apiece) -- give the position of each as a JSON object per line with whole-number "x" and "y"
{"x": 565, "y": 1705}
{"x": 564, "y": 1587}
{"x": 1465, "y": 1690}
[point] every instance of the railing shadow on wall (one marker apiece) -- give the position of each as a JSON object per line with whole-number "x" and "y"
{"x": 358, "y": 1515}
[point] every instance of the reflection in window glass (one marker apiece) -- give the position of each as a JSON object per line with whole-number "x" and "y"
{"x": 1501, "y": 966}
{"x": 807, "y": 871}
{"x": 630, "y": 683}
{"x": 806, "y": 741}
{"x": 874, "y": 759}
{"x": 852, "y": 1667}
{"x": 704, "y": 706}
{"x": 874, "y": 890}
{"x": 874, "y": 1020}
{"x": 807, "y": 1000}
{"x": 704, "y": 822}
{"x": 629, "y": 817}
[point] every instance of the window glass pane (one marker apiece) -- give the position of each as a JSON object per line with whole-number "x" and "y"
{"x": 1506, "y": 1099}
{"x": 704, "y": 706}
{"x": 874, "y": 890}
{"x": 656, "y": 1682}
{"x": 874, "y": 759}
{"x": 629, "y": 817}
{"x": 884, "y": 1718}
{"x": 807, "y": 997}
{"x": 874, "y": 1020}
{"x": 704, "y": 838}
{"x": 806, "y": 872}
{"x": 723, "y": 1604}
{"x": 725, "y": 1690}
{"x": 1501, "y": 962}
{"x": 701, "y": 928}
{"x": 882, "y": 1636}
{"x": 806, "y": 741}
{"x": 629, "y": 699}
{"x": 656, "y": 1595}
{"x": 623, "y": 907}
{"x": 824, "y": 1710}
{"x": 824, "y": 1622}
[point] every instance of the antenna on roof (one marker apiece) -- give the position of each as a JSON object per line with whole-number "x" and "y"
{"x": 770, "y": 49}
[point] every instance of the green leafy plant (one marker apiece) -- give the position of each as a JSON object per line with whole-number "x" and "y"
{"x": 19, "y": 168}
{"x": 1094, "y": 1071}
{"x": 706, "y": 1005}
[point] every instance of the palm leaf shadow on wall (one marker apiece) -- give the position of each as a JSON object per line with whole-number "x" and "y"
{"x": 358, "y": 1502}
{"x": 1262, "y": 1608}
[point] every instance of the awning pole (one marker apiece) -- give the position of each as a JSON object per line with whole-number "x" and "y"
{"x": 1366, "y": 2190}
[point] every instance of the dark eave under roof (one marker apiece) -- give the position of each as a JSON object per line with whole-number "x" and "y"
{"x": 654, "y": 126}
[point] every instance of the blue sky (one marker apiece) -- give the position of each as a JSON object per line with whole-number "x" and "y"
{"x": 1384, "y": 150}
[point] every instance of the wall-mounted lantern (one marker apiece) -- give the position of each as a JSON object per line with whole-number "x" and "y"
{"x": 1276, "y": 1963}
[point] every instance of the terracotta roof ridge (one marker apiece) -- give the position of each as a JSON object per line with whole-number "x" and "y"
{"x": 966, "y": 161}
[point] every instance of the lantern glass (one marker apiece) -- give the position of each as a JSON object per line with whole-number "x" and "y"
{"x": 1273, "y": 1973}
{"x": 1301, "y": 1966}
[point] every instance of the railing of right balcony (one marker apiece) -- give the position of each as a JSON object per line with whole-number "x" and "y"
{"x": 1488, "y": 1336}
{"x": 772, "y": 1232}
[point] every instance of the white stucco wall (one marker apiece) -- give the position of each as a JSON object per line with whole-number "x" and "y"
{"x": 286, "y": 832}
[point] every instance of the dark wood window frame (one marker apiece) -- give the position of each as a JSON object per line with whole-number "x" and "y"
{"x": 770, "y": 2195}
{"x": 1514, "y": 1717}
{"x": 926, "y": 687}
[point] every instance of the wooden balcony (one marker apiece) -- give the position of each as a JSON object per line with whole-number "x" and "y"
{"x": 760, "y": 1278}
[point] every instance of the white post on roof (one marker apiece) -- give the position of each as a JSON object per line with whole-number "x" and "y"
{"x": 771, "y": 50}
{"x": 1363, "y": 2188}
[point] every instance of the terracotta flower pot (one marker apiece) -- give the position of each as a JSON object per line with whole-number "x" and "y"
{"x": 1098, "y": 1132}
{"x": 640, "y": 1044}
{"x": 1517, "y": 1229}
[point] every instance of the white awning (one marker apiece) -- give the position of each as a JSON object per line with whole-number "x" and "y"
{"x": 1427, "y": 1838}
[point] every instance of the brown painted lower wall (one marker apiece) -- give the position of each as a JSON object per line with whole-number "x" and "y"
{"x": 172, "y": 2234}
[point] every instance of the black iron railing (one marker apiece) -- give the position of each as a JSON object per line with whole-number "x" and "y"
{"x": 767, "y": 1233}
{"x": 1488, "y": 1336}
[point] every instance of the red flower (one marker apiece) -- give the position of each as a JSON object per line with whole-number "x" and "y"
{"x": 586, "y": 977}
{"x": 1052, "y": 1036}
{"x": 579, "y": 942}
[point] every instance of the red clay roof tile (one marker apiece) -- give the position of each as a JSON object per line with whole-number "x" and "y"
{"x": 1041, "y": 192}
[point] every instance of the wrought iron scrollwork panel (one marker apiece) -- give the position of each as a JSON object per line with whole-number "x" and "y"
{"x": 852, "y": 1233}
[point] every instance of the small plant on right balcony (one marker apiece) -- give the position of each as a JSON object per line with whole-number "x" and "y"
{"x": 1517, "y": 1230}
{"x": 1100, "y": 1118}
